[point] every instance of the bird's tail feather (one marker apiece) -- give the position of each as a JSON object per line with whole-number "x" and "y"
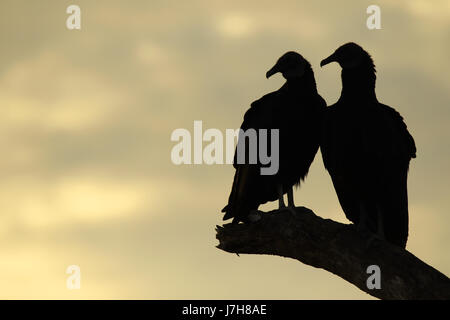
{"x": 236, "y": 206}
{"x": 396, "y": 217}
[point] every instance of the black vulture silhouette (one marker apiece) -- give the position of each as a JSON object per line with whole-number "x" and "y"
{"x": 366, "y": 149}
{"x": 295, "y": 110}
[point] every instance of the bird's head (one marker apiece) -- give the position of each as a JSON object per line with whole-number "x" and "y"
{"x": 349, "y": 55}
{"x": 291, "y": 65}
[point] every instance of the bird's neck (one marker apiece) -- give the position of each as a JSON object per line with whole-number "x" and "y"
{"x": 359, "y": 83}
{"x": 303, "y": 85}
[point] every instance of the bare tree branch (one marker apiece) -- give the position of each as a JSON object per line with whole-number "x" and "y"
{"x": 337, "y": 248}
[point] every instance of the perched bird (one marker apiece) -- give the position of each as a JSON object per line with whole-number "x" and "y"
{"x": 366, "y": 149}
{"x": 295, "y": 110}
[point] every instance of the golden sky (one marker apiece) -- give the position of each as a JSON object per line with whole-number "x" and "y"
{"x": 86, "y": 119}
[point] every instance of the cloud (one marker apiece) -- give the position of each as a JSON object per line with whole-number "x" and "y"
{"x": 235, "y": 25}
{"x": 47, "y": 92}
{"x": 35, "y": 205}
{"x": 437, "y": 12}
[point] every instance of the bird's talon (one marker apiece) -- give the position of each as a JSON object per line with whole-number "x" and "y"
{"x": 255, "y": 215}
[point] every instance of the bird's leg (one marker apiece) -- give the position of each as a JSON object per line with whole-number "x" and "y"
{"x": 362, "y": 226}
{"x": 364, "y": 229}
{"x": 291, "y": 204}
{"x": 290, "y": 196}
{"x": 281, "y": 204}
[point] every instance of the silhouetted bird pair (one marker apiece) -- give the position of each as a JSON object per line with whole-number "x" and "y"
{"x": 365, "y": 146}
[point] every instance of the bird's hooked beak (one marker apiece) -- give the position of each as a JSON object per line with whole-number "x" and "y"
{"x": 328, "y": 60}
{"x": 272, "y": 71}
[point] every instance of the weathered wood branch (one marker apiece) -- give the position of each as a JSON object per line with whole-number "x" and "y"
{"x": 337, "y": 248}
